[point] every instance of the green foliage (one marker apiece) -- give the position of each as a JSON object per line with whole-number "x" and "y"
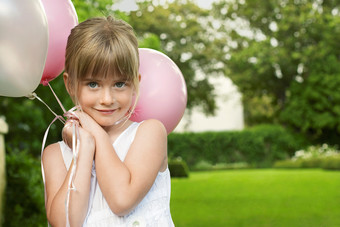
{"x": 202, "y": 165}
{"x": 264, "y": 110}
{"x": 151, "y": 41}
{"x": 331, "y": 163}
{"x": 205, "y": 165}
{"x": 314, "y": 106}
{"x": 271, "y": 45}
{"x": 287, "y": 164}
{"x": 178, "y": 167}
{"x": 324, "y": 156}
{"x": 2, "y": 187}
{"x": 258, "y": 146}
{"x": 95, "y": 8}
{"x": 28, "y": 119}
{"x": 24, "y": 205}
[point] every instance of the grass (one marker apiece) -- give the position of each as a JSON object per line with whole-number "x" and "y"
{"x": 265, "y": 197}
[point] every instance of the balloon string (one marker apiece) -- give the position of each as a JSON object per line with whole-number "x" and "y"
{"x": 73, "y": 118}
{"x": 75, "y": 149}
{"x": 56, "y": 97}
{"x": 34, "y": 95}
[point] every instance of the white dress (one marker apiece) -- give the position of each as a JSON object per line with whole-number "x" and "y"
{"x": 152, "y": 211}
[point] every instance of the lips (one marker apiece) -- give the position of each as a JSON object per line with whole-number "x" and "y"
{"x": 106, "y": 111}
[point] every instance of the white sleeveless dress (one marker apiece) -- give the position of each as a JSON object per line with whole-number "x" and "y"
{"x": 152, "y": 211}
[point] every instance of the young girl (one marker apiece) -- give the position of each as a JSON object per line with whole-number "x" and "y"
{"x": 121, "y": 176}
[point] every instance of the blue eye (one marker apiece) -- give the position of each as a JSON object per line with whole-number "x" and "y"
{"x": 120, "y": 84}
{"x": 92, "y": 84}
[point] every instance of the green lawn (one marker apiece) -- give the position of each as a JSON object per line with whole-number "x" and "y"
{"x": 265, "y": 197}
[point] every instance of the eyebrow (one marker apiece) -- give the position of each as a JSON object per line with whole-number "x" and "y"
{"x": 92, "y": 79}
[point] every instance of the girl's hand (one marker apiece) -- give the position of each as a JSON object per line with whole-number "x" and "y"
{"x": 85, "y": 136}
{"x": 88, "y": 123}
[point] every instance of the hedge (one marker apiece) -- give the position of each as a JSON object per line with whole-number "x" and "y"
{"x": 331, "y": 163}
{"x": 328, "y": 163}
{"x": 178, "y": 168}
{"x": 259, "y": 146}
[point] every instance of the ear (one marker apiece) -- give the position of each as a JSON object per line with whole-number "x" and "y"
{"x": 139, "y": 79}
{"x": 66, "y": 82}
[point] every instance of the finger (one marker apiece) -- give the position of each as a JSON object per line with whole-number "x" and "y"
{"x": 67, "y": 131}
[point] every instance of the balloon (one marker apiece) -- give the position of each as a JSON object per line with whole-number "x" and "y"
{"x": 62, "y": 17}
{"x": 23, "y": 46}
{"x": 162, "y": 91}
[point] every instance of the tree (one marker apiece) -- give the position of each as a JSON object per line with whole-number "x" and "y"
{"x": 313, "y": 106}
{"x": 94, "y": 8}
{"x": 275, "y": 44}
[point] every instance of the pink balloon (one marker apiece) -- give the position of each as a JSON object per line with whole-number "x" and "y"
{"x": 163, "y": 93}
{"x": 61, "y": 17}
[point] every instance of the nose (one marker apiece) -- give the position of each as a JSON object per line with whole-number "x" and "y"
{"x": 107, "y": 97}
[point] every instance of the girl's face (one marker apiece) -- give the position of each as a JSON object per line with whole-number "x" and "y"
{"x": 106, "y": 100}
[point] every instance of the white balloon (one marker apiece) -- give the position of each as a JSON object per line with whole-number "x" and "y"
{"x": 23, "y": 46}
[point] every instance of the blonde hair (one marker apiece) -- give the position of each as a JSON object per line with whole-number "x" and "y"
{"x": 101, "y": 47}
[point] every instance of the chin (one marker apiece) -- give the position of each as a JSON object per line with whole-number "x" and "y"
{"x": 105, "y": 123}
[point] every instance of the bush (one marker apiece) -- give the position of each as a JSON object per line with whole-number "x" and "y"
{"x": 178, "y": 168}
{"x": 312, "y": 162}
{"x": 287, "y": 164}
{"x": 331, "y": 163}
{"x": 236, "y": 165}
{"x": 323, "y": 156}
{"x": 259, "y": 146}
{"x": 204, "y": 165}
{"x": 24, "y": 201}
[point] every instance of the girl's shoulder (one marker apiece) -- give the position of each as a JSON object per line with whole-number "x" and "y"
{"x": 52, "y": 162}
{"x": 51, "y": 153}
{"x": 152, "y": 126}
{"x": 151, "y": 136}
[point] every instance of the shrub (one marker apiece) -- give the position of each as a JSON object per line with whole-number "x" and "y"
{"x": 203, "y": 165}
{"x": 287, "y": 164}
{"x": 323, "y": 156}
{"x": 314, "y": 162}
{"x": 24, "y": 201}
{"x": 178, "y": 167}
{"x": 236, "y": 165}
{"x": 259, "y": 146}
{"x": 331, "y": 163}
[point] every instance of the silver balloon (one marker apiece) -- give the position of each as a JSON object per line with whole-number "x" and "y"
{"x": 23, "y": 46}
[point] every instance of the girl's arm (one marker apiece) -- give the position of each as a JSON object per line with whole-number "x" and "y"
{"x": 125, "y": 184}
{"x": 57, "y": 178}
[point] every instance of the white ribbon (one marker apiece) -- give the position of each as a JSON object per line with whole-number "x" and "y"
{"x": 71, "y": 117}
